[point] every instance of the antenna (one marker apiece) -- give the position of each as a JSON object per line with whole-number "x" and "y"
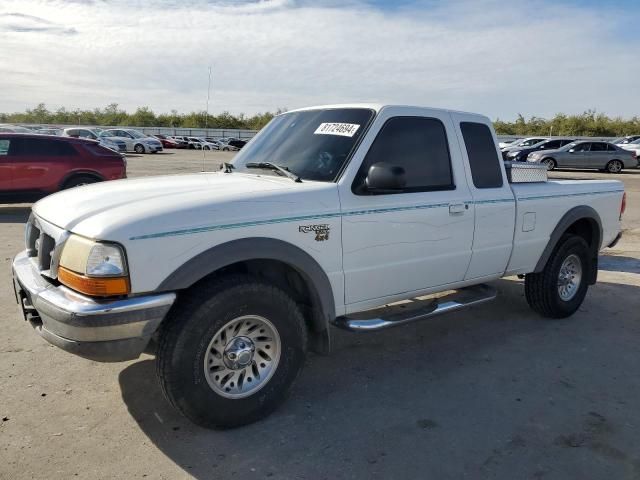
{"x": 206, "y": 115}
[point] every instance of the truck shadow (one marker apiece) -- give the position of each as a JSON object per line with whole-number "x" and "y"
{"x": 437, "y": 396}
{"x": 619, "y": 263}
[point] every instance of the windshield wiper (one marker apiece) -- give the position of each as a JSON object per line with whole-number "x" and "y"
{"x": 273, "y": 166}
{"x": 227, "y": 167}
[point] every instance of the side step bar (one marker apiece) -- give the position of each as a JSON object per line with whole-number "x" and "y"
{"x": 416, "y": 309}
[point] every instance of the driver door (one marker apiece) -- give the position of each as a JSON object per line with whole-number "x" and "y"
{"x": 408, "y": 241}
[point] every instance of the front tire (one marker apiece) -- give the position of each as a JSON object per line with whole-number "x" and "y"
{"x": 139, "y": 148}
{"x": 550, "y": 163}
{"x": 559, "y": 290}
{"x": 230, "y": 351}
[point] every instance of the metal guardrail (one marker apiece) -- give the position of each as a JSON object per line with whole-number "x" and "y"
{"x": 242, "y": 134}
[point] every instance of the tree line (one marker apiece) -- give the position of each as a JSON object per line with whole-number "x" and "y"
{"x": 589, "y": 123}
{"x": 113, "y": 115}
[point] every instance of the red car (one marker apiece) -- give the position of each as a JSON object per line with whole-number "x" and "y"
{"x": 32, "y": 163}
{"x": 168, "y": 142}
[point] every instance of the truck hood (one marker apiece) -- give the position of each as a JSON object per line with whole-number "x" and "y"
{"x": 118, "y": 210}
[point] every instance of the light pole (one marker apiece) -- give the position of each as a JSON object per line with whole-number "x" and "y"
{"x": 206, "y": 115}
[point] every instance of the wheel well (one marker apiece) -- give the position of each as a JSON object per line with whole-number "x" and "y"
{"x": 589, "y": 230}
{"x": 73, "y": 175}
{"x": 292, "y": 281}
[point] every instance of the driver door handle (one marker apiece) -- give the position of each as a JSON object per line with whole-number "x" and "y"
{"x": 457, "y": 208}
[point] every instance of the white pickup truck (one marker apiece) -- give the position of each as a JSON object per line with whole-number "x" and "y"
{"x": 328, "y": 216}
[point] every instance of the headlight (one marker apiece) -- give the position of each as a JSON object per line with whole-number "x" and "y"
{"x": 93, "y": 268}
{"x": 512, "y": 154}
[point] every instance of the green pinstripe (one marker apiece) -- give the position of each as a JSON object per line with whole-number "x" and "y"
{"x": 320, "y": 216}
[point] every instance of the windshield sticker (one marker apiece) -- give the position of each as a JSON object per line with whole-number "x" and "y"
{"x": 341, "y": 129}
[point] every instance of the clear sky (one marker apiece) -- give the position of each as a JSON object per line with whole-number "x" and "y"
{"x": 500, "y": 58}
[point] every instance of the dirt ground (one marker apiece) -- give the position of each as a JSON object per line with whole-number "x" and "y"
{"x": 491, "y": 392}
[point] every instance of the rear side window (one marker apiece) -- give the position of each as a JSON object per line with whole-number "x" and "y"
{"x": 417, "y": 144}
{"x": 611, "y": 148}
{"x": 483, "y": 159}
{"x": 598, "y": 147}
{"x": 42, "y": 147}
{"x": 552, "y": 144}
{"x": 96, "y": 149}
{"x": 4, "y": 146}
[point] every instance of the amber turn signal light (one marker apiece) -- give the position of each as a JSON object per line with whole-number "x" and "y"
{"x": 94, "y": 286}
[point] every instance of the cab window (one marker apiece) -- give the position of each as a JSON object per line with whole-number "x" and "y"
{"x": 418, "y": 145}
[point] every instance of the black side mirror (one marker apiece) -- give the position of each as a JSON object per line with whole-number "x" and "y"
{"x": 385, "y": 177}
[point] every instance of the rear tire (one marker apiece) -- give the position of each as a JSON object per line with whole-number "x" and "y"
{"x": 195, "y": 351}
{"x": 559, "y": 289}
{"x": 614, "y": 166}
{"x": 79, "y": 181}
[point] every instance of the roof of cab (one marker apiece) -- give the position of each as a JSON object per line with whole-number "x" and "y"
{"x": 378, "y": 106}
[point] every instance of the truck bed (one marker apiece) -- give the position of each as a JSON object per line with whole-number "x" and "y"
{"x": 540, "y": 206}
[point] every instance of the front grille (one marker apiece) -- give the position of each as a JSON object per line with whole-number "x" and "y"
{"x": 40, "y": 246}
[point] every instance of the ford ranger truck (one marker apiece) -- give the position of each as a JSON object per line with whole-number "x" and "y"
{"x": 329, "y": 216}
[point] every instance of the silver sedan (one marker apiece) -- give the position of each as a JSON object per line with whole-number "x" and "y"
{"x": 586, "y": 154}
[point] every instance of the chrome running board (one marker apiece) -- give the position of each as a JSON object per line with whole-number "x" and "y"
{"x": 416, "y": 309}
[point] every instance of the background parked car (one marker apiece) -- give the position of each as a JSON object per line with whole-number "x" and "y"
{"x": 191, "y": 142}
{"x": 625, "y": 140}
{"x": 167, "y": 142}
{"x": 13, "y": 129}
{"x": 506, "y": 143}
{"x": 225, "y": 144}
{"x": 136, "y": 141}
{"x": 179, "y": 141}
{"x": 585, "y": 154}
{"x": 95, "y": 134}
{"x": 525, "y": 142}
{"x": 520, "y": 154}
{"x": 49, "y": 131}
{"x": 205, "y": 144}
{"x": 237, "y": 143}
{"x": 32, "y": 163}
{"x": 632, "y": 147}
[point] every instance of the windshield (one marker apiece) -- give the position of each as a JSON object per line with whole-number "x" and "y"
{"x": 312, "y": 144}
{"x": 136, "y": 134}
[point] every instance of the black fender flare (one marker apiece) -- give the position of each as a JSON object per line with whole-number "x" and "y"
{"x": 260, "y": 248}
{"x": 568, "y": 219}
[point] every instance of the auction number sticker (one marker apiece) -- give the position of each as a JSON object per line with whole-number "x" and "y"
{"x": 341, "y": 129}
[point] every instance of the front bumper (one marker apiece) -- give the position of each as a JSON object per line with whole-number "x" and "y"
{"x": 101, "y": 330}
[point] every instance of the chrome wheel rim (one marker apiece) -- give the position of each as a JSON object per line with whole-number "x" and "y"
{"x": 549, "y": 164}
{"x": 242, "y": 356}
{"x": 615, "y": 167}
{"x": 570, "y": 277}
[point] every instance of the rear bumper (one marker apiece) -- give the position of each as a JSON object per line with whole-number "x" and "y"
{"x": 101, "y": 330}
